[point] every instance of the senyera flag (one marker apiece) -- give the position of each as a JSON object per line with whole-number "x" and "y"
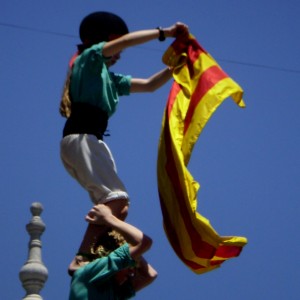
{"x": 199, "y": 87}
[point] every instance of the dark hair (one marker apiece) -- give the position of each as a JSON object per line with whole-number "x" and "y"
{"x": 107, "y": 243}
{"x": 98, "y": 26}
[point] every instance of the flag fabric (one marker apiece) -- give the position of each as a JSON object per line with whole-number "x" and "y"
{"x": 199, "y": 87}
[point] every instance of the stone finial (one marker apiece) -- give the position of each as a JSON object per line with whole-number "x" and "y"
{"x": 34, "y": 274}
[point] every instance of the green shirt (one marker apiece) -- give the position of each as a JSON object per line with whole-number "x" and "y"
{"x": 93, "y": 83}
{"x": 95, "y": 280}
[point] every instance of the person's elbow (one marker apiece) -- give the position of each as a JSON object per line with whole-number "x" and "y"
{"x": 143, "y": 86}
{"x": 146, "y": 243}
{"x": 152, "y": 274}
{"x": 143, "y": 245}
{"x": 151, "y": 87}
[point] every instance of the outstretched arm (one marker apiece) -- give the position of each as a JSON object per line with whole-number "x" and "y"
{"x": 139, "y": 85}
{"x": 138, "y": 242}
{"x": 141, "y": 37}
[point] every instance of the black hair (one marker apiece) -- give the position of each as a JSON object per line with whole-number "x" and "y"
{"x": 107, "y": 243}
{"x": 98, "y": 26}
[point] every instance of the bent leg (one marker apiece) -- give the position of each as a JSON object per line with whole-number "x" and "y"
{"x": 119, "y": 208}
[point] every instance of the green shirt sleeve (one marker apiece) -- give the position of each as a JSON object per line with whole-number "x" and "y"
{"x": 122, "y": 83}
{"x": 105, "y": 267}
{"x": 96, "y": 279}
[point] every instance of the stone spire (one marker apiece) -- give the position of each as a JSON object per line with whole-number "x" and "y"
{"x": 34, "y": 274}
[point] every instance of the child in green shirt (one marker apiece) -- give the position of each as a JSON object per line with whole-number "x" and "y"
{"x": 119, "y": 271}
{"x": 90, "y": 97}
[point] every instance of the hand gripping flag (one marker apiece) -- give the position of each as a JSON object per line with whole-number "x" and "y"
{"x": 199, "y": 87}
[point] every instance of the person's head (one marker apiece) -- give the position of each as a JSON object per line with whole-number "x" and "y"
{"x": 101, "y": 26}
{"x": 106, "y": 245}
{"x": 109, "y": 242}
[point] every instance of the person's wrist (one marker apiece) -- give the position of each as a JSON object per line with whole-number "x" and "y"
{"x": 161, "y": 34}
{"x": 109, "y": 220}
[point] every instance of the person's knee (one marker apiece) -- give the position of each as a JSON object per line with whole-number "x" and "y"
{"x": 119, "y": 208}
{"x": 124, "y": 213}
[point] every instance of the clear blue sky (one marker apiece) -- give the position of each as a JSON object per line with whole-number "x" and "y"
{"x": 247, "y": 161}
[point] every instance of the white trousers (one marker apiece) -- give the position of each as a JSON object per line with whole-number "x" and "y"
{"x": 91, "y": 163}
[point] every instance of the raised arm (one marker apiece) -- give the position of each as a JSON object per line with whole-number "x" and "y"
{"x": 141, "y": 37}
{"x": 138, "y": 242}
{"x": 139, "y": 85}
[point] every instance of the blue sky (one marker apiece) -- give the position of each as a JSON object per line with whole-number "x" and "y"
{"x": 247, "y": 161}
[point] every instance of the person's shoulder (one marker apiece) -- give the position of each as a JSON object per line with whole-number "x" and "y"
{"x": 122, "y": 249}
{"x": 122, "y": 252}
{"x": 95, "y": 49}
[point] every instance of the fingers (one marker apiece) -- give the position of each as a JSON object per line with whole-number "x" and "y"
{"x": 182, "y": 30}
{"x": 91, "y": 215}
{"x": 178, "y": 30}
{"x": 97, "y": 209}
{"x": 98, "y": 214}
{"x": 89, "y": 219}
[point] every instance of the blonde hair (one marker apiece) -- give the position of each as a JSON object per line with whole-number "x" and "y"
{"x": 65, "y": 102}
{"x": 108, "y": 243}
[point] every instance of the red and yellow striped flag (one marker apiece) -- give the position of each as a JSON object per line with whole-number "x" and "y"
{"x": 199, "y": 87}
